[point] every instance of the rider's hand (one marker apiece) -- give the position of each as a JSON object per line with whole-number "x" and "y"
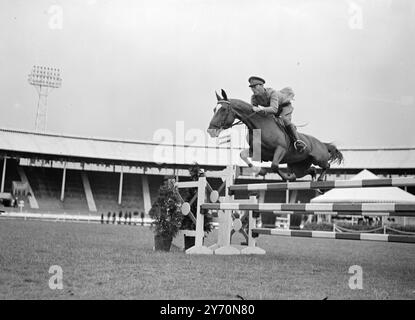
{"x": 257, "y": 109}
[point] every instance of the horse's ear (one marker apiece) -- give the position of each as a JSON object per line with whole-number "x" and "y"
{"x": 218, "y": 96}
{"x": 225, "y": 97}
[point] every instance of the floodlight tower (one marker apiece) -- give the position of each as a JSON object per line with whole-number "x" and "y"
{"x": 44, "y": 79}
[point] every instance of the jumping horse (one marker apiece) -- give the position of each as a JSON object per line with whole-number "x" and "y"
{"x": 274, "y": 143}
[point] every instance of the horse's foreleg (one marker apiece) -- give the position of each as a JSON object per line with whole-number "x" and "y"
{"x": 245, "y": 157}
{"x": 278, "y": 156}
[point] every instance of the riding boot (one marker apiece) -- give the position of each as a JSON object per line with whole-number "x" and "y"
{"x": 299, "y": 144}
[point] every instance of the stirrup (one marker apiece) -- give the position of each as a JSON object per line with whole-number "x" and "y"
{"x": 296, "y": 146}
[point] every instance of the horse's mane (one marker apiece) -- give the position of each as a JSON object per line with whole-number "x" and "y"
{"x": 248, "y": 109}
{"x": 241, "y": 103}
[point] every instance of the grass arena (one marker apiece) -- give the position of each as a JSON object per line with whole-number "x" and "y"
{"x": 118, "y": 262}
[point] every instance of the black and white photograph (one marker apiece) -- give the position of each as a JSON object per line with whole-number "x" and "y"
{"x": 207, "y": 155}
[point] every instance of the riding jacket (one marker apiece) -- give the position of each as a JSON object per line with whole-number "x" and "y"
{"x": 273, "y": 101}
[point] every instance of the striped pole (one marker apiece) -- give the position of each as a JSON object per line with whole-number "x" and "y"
{"x": 307, "y": 185}
{"x": 363, "y": 209}
{"x": 336, "y": 235}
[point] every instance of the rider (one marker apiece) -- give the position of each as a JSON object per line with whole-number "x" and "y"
{"x": 277, "y": 103}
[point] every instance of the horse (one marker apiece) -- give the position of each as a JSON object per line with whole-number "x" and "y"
{"x": 274, "y": 143}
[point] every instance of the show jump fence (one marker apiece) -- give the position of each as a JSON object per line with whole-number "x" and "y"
{"x": 249, "y": 209}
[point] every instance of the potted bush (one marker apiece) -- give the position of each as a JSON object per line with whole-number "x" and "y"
{"x": 187, "y": 222}
{"x": 166, "y": 215}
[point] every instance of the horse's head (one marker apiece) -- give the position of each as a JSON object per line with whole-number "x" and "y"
{"x": 223, "y": 117}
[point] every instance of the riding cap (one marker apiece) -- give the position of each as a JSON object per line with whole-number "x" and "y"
{"x": 253, "y": 81}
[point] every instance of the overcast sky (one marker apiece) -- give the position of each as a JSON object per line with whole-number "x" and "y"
{"x": 130, "y": 68}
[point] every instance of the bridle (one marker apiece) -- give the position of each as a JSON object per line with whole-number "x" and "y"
{"x": 230, "y": 110}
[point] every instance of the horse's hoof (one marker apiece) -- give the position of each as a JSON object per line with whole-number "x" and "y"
{"x": 262, "y": 172}
{"x": 292, "y": 178}
{"x": 313, "y": 175}
{"x": 256, "y": 170}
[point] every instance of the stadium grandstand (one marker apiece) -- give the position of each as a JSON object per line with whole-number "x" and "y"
{"x": 86, "y": 175}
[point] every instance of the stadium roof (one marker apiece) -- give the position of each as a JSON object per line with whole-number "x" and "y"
{"x": 17, "y": 142}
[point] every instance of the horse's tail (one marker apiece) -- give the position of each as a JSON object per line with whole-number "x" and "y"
{"x": 335, "y": 154}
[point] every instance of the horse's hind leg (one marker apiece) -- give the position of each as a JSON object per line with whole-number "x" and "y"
{"x": 312, "y": 171}
{"x": 321, "y": 159}
{"x": 324, "y": 165}
{"x": 278, "y": 156}
{"x": 303, "y": 168}
{"x": 323, "y": 173}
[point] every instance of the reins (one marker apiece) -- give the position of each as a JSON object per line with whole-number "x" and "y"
{"x": 241, "y": 120}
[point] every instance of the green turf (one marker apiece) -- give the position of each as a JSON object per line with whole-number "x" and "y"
{"x": 117, "y": 262}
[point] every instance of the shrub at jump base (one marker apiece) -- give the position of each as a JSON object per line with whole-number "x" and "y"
{"x": 167, "y": 215}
